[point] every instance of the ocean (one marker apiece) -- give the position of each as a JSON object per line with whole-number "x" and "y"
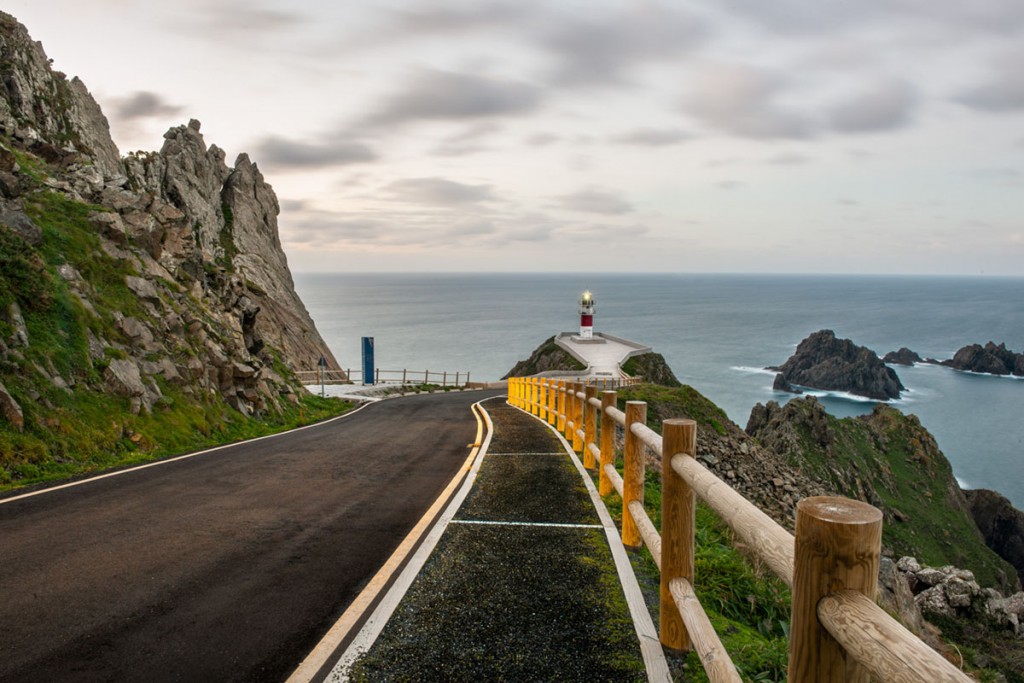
{"x": 717, "y": 332}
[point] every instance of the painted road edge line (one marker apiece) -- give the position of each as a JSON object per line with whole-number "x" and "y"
{"x": 186, "y": 456}
{"x": 650, "y": 643}
{"x": 314, "y": 663}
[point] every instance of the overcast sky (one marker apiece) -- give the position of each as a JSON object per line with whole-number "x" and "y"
{"x": 708, "y": 136}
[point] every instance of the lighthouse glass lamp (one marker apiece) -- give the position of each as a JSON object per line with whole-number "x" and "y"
{"x": 587, "y": 315}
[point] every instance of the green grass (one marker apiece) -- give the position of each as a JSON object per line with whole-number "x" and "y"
{"x": 88, "y": 432}
{"x": 669, "y": 402}
{"x": 748, "y": 607}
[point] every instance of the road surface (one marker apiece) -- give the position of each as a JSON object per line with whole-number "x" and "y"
{"x": 228, "y": 566}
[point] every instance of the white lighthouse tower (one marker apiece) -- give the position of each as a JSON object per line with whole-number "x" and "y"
{"x": 587, "y": 315}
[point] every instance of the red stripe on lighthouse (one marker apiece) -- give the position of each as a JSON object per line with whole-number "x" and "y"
{"x": 586, "y": 320}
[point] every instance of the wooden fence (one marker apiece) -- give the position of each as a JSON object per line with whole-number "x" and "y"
{"x": 442, "y": 378}
{"x": 837, "y": 632}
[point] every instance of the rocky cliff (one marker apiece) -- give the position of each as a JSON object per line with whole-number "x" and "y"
{"x": 1001, "y": 525}
{"x": 157, "y": 279}
{"x": 822, "y": 361}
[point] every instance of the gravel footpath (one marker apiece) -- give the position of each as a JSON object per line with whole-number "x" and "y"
{"x": 514, "y": 599}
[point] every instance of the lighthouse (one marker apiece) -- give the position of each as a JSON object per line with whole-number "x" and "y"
{"x": 587, "y": 315}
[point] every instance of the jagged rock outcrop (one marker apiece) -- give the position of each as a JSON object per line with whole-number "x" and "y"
{"x": 822, "y": 361}
{"x": 1001, "y": 525}
{"x": 546, "y": 357}
{"x": 180, "y": 272}
{"x": 653, "y": 368}
{"x": 57, "y": 118}
{"x": 991, "y": 359}
{"x": 902, "y": 357}
{"x": 891, "y": 461}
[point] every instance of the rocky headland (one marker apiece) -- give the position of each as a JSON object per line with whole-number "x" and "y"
{"x": 153, "y": 283}
{"x": 823, "y": 361}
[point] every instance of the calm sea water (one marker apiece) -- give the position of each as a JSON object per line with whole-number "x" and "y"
{"x": 717, "y": 332}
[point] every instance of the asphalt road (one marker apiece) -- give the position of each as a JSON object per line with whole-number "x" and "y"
{"x": 228, "y": 566}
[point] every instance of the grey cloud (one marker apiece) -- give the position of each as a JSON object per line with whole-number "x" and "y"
{"x": 443, "y": 95}
{"x": 652, "y": 137}
{"x": 545, "y": 139}
{"x": 831, "y": 16}
{"x": 472, "y": 228}
{"x": 1004, "y": 89}
{"x": 592, "y": 200}
{"x": 439, "y": 191}
{"x": 440, "y": 20}
{"x": 788, "y": 159}
{"x": 295, "y": 154}
{"x": 143, "y": 104}
{"x": 467, "y": 141}
{"x": 740, "y": 99}
{"x": 598, "y": 47}
{"x": 220, "y": 17}
{"x": 883, "y": 106}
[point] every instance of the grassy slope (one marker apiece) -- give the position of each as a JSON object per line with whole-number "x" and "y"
{"x": 82, "y": 429}
{"x": 893, "y": 456}
{"x": 748, "y": 606}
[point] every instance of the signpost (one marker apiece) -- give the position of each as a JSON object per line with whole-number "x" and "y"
{"x": 368, "y": 377}
{"x": 321, "y": 366}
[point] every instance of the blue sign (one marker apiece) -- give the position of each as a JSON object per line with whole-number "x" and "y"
{"x": 368, "y": 360}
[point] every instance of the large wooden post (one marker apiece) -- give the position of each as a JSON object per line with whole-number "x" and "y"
{"x": 577, "y": 417}
{"x": 678, "y": 522}
{"x": 604, "y": 484}
{"x": 838, "y": 543}
{"x": 633, "y": 473}
{"x": 589, "y": 427}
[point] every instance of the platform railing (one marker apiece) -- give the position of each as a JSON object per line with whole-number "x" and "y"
{"x": 442, "y": 378}
{"x": 837, "y": 632}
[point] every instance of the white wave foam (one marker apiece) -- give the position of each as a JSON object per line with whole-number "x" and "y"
{"x": 841, "y": 395}
{"x": 753, "y": 370}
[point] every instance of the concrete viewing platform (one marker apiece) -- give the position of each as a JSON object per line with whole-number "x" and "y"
{"x": 524, "y": 577}
{"x": 603, "y": 354}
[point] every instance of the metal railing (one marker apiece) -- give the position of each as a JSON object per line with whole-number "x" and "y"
{"x": 441, "y": 378}
{"x": 837, "y": 632}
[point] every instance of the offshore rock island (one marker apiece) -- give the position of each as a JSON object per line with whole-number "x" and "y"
{"x": 822, "y": 361}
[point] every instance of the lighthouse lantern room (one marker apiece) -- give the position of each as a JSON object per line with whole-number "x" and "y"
{"x": 587, "y": 315}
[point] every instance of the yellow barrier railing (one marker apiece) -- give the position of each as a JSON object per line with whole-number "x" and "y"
{"x": 837, "y": 632}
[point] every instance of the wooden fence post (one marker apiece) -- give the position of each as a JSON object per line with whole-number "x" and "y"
{"x": 604, "y": 484}
{"x": 560, "y": 406}
{"x": 534, "y": 390}
{"x": 589, "y": 427}
{"x": 567, "y": 400}
{"x": 552, "y": 402}
{"x": 678, "y": 522}
{"x": 577, "y": 417}
{"x": 838, "y": 544}
{"x": 542, "y": 399}
{"x": 633, "y": 473}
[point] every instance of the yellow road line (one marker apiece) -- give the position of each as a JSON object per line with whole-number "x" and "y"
{"x": 327, "y": 648}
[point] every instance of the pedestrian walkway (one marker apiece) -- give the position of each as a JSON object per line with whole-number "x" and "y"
{"x": 603, "y": 354}
{"x": 522, "y": 585}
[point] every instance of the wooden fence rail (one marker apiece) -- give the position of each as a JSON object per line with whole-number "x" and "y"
{"x": 837, "y": 632}
{"x": 442, "y": 378}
